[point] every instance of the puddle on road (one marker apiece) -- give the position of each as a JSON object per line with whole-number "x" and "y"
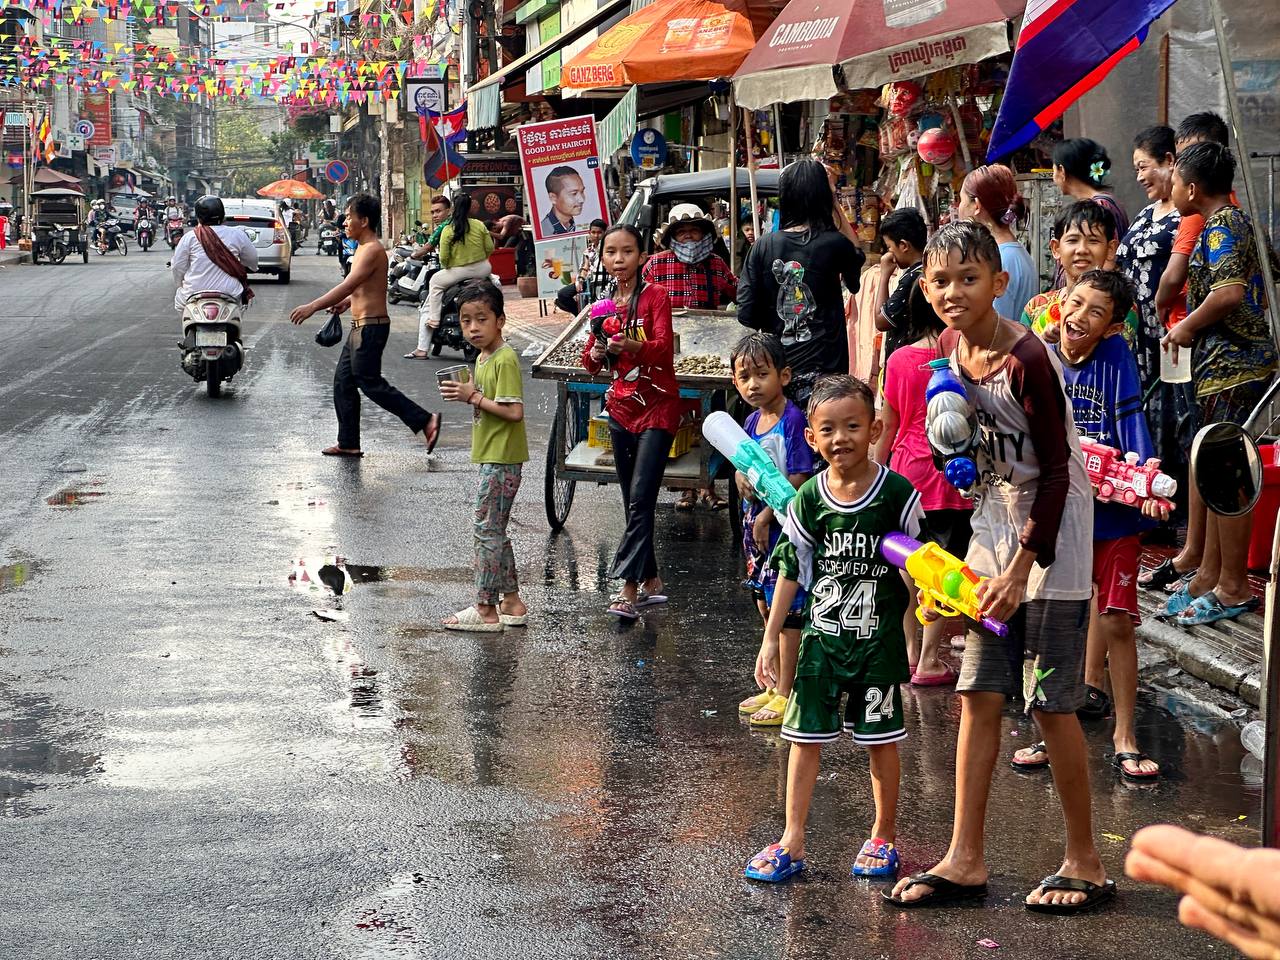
{"x": 74, "y": 496}
{"x": 39, "y": 751}
{"x": 336, "y": 576}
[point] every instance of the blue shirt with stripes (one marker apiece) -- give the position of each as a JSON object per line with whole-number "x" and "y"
{"x": 1106, "y": 403}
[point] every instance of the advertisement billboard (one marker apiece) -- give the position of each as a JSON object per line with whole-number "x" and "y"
{"x": 560, "y": 162}
{"x": 97, "y": 110}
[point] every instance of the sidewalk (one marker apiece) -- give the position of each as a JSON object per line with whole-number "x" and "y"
{"x": 11, "y": 254}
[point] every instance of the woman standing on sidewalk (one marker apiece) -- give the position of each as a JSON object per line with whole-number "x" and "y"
{"x": 465, "y": 246}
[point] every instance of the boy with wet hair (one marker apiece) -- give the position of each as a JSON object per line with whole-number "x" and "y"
{"x": 852, "y": 642}
{"x": 1032, "y": 535}
{"x": 1083, "y": 239}
{"x": 1101, "y": 379}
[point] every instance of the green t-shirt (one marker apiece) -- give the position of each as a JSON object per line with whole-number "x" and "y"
{"x": 494, "y": 440}
{"x": 856, "y": 598}
{"x": 476, "y": 245}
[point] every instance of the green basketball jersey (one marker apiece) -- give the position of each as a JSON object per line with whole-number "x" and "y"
{"x": 853, "y": 617}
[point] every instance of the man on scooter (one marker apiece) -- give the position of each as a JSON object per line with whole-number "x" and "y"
{"x": 441, "y": 207}
{"x": 214, "y": 258}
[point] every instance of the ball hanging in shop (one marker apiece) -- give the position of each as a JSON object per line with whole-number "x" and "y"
{"x": 937, "y": 147}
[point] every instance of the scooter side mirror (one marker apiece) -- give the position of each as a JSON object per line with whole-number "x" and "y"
{"x": 1227, "y": 468}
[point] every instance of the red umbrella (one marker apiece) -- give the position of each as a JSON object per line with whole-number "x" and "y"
{"x": 816, "y": 48}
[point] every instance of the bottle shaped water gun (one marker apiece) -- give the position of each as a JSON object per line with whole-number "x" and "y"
{"x": 947, "y": 585}
{"x": 1121, "y": 479}
{"x": 951, "y": 427}
{"x": 770, "y": 483}
{"x": 601, "y": 311}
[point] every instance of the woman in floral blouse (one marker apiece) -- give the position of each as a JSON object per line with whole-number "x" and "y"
{"x": 1143, "y": 254}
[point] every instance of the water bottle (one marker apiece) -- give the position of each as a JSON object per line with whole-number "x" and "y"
{"x": 1254, "y": 738}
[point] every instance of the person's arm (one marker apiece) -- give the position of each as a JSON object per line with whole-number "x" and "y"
{"x": 748, "y": 315}
{"x": 248, "y": 252}
{"x": 1227, "y": 285}
{"x": 726, "y": 283}
{"x": 181, "y": 261}
{"x": 1172, "y": 282}
{"x": 1035, "y": 384}
{"x": 889, "y": 418}
{"x": 593, "y": 353}
{"x": 486, "y": 241}
{"x": 363, "y": 268}
{"x": 851, "y": 260}
{"x": 887, "y": 266}
{"x": 507, "y": 405}
{"x": 659, "y": 347}
{"x": 446, "y": 247}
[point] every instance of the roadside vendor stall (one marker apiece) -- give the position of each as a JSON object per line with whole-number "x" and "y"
{"x": 579, "y": 449}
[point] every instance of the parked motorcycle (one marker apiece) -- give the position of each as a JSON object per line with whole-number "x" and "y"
{"x": 330, "y": 240}
{"x": 173, "y": 231}
{"x": 145, "y": 233}
{"x": 211, "y": 347}
{"x": 109, "y": 236}
{"x": 405, "y": 275}
{"x": 449, "y": 332}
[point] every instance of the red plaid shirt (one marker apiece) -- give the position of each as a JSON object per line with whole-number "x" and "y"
{"x": 706, "y": 287}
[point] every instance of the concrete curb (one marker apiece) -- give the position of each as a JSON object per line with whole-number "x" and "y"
{"x": 1227, "y": 657}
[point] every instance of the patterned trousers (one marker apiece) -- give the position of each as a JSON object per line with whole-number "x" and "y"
{"x": 495, "y": 563}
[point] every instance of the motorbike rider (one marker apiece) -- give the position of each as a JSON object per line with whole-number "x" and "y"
{"x": 441, "y": 207}
{"x": 98, "y": 219}
{"x": 214, "y": 257}
{"x": 172, "y": 210}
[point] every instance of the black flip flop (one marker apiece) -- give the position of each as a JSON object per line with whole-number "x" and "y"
{"x": 1121, "y": 758}
{"x": 1025, "y": 767}
{"x": 1163, "y": 576}
{"x": 1095, "y": 894}
{"x": 944, "y": 892}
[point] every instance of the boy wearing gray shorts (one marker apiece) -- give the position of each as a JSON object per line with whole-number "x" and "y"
{"x": 1033, "y": 536}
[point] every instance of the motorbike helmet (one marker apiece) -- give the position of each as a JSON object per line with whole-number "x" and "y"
{"x": 210, "y": 211}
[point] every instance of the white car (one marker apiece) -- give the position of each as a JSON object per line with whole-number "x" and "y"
{"x": 263, "y": 222}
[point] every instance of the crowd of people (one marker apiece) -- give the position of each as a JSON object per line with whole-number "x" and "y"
{"x": 1042, "y": 368}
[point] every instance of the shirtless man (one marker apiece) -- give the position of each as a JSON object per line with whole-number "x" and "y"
{"x": 364, "y": 291}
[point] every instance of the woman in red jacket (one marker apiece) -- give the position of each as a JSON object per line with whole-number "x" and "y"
{"x": 643, "y": 402}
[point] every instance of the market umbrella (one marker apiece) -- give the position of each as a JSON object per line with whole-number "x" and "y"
{"x": 290, "y": 190}
{"x": 671, "y": 41}
{"x": 816, "y": 48}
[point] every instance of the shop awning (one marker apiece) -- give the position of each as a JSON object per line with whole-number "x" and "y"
{"x": 613, "y": 132}
{"x": 671, "y": 41}
{"x": 484, "y": 99}
{"x": 867, "y": 46}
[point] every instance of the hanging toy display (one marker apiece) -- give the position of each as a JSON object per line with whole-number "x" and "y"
{"x": 936, "y": 146}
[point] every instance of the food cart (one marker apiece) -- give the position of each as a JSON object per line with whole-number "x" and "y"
{"x": 578, "y": 451}
{"x": 57, "y": 225}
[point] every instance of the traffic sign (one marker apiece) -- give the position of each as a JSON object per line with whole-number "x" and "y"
{"x": 335, "y": 171}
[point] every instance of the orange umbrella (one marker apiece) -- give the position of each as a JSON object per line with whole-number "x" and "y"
{"x": 290, "y": 190}
{"x": 670, "y": 40}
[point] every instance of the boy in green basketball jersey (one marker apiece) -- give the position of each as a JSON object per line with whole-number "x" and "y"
{"x": 852, "y": 641}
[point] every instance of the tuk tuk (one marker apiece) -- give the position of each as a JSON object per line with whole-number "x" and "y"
{"x": 58, "y": 225}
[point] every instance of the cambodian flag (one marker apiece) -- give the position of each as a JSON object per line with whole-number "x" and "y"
{"x": 1065, "y": 50}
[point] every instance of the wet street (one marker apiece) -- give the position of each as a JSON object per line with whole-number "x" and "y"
{"x": 194, "y": 764}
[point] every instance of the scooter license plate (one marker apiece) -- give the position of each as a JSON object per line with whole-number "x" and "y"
{"x": 211, "y": 338}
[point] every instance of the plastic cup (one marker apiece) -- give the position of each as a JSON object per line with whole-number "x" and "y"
{"x": 461, "y": 373}
{"x": 1179, "y": 372}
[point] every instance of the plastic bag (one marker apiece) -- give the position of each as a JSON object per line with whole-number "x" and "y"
{"x": 331, "y": 332}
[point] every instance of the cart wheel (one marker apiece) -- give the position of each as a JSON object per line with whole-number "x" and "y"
{"x": 557, "y": 492}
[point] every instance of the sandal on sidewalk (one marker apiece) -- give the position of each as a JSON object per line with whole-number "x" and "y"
{"x": 776, "y": 856}
{"x": 756, "y": 702}
{"x": 880, "y": 850}
{"x": 688, "y": 500}
{"x": 1209, "y": 609}
{"x": 713, "y": 501}
{"x": 1095, "y": 894}
{"x": 1161, "y": 577}
{"x": 646, "y": 599}
{"x": 623, "y": 609}
{"x": 513, "y": 619}
{"x": 777, "y": 705}
{"x": 470, "y": 621}
{"x": 1029, "y": 766}
{"x": 1179, "y": 601}
{"x": 944, "y": 679}
{"x": 942, "y": 892}
{"x": 1120, "y": 759}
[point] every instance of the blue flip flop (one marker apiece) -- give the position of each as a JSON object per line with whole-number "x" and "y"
{"x": 881, "y": 850}
{"x": 1178, "y": 602}
{"x": 776, "y": 855}
{"x": 1209, "y": 609}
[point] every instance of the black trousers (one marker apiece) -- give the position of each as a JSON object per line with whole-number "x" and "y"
{"x": 567, "y": 299}
{"x": 360, "y": 371}
{"x": 640, "y": 459}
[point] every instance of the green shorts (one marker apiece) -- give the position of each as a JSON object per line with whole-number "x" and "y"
{"x": 873, "y": 713}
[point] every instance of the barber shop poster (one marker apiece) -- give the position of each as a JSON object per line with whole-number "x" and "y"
{"x": 560, "y": 161}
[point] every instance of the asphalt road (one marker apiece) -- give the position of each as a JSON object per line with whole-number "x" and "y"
{"x": 193, "y": 764}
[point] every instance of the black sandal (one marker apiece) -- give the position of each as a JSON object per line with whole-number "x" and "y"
{"x": 1029, "y": 766}
{"x": 1160, "y": 577}
{"x": 944, "y": 892}
{"x": 1095, "y": 894}
{"x": 1120, "y": 759}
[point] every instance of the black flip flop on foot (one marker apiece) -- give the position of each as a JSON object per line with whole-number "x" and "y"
{"x": 1095, "y": 894}
{"x": 1120, "y": 759}
{"x": 1031, "y": 766}
{"x": 943, "y": 892}
{"x": 1160, "y": 576}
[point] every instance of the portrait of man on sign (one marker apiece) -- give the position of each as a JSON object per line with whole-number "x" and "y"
{"x": 567, "y": 193}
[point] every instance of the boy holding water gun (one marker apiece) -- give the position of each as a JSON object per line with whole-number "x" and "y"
{"x": 1033, "y": 536}
{"x": 852, "y": 642}
{"x": 1101, "y": 378}
{"x": 760, "y": 373}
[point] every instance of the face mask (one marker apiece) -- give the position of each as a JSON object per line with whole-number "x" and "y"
{"x": 695, "y": 252}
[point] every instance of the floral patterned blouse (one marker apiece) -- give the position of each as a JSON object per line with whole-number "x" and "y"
{"x": 1143, "y": 254}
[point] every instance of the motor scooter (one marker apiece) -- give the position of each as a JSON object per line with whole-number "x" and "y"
{"x": 330, "y": 240}
{"x": 109, "y": 236}
{"x": 173, "y": 231}
{"x": 211, "y": 347}
{"x": 145, "y": 233}
{"x": 407, "y": 278}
